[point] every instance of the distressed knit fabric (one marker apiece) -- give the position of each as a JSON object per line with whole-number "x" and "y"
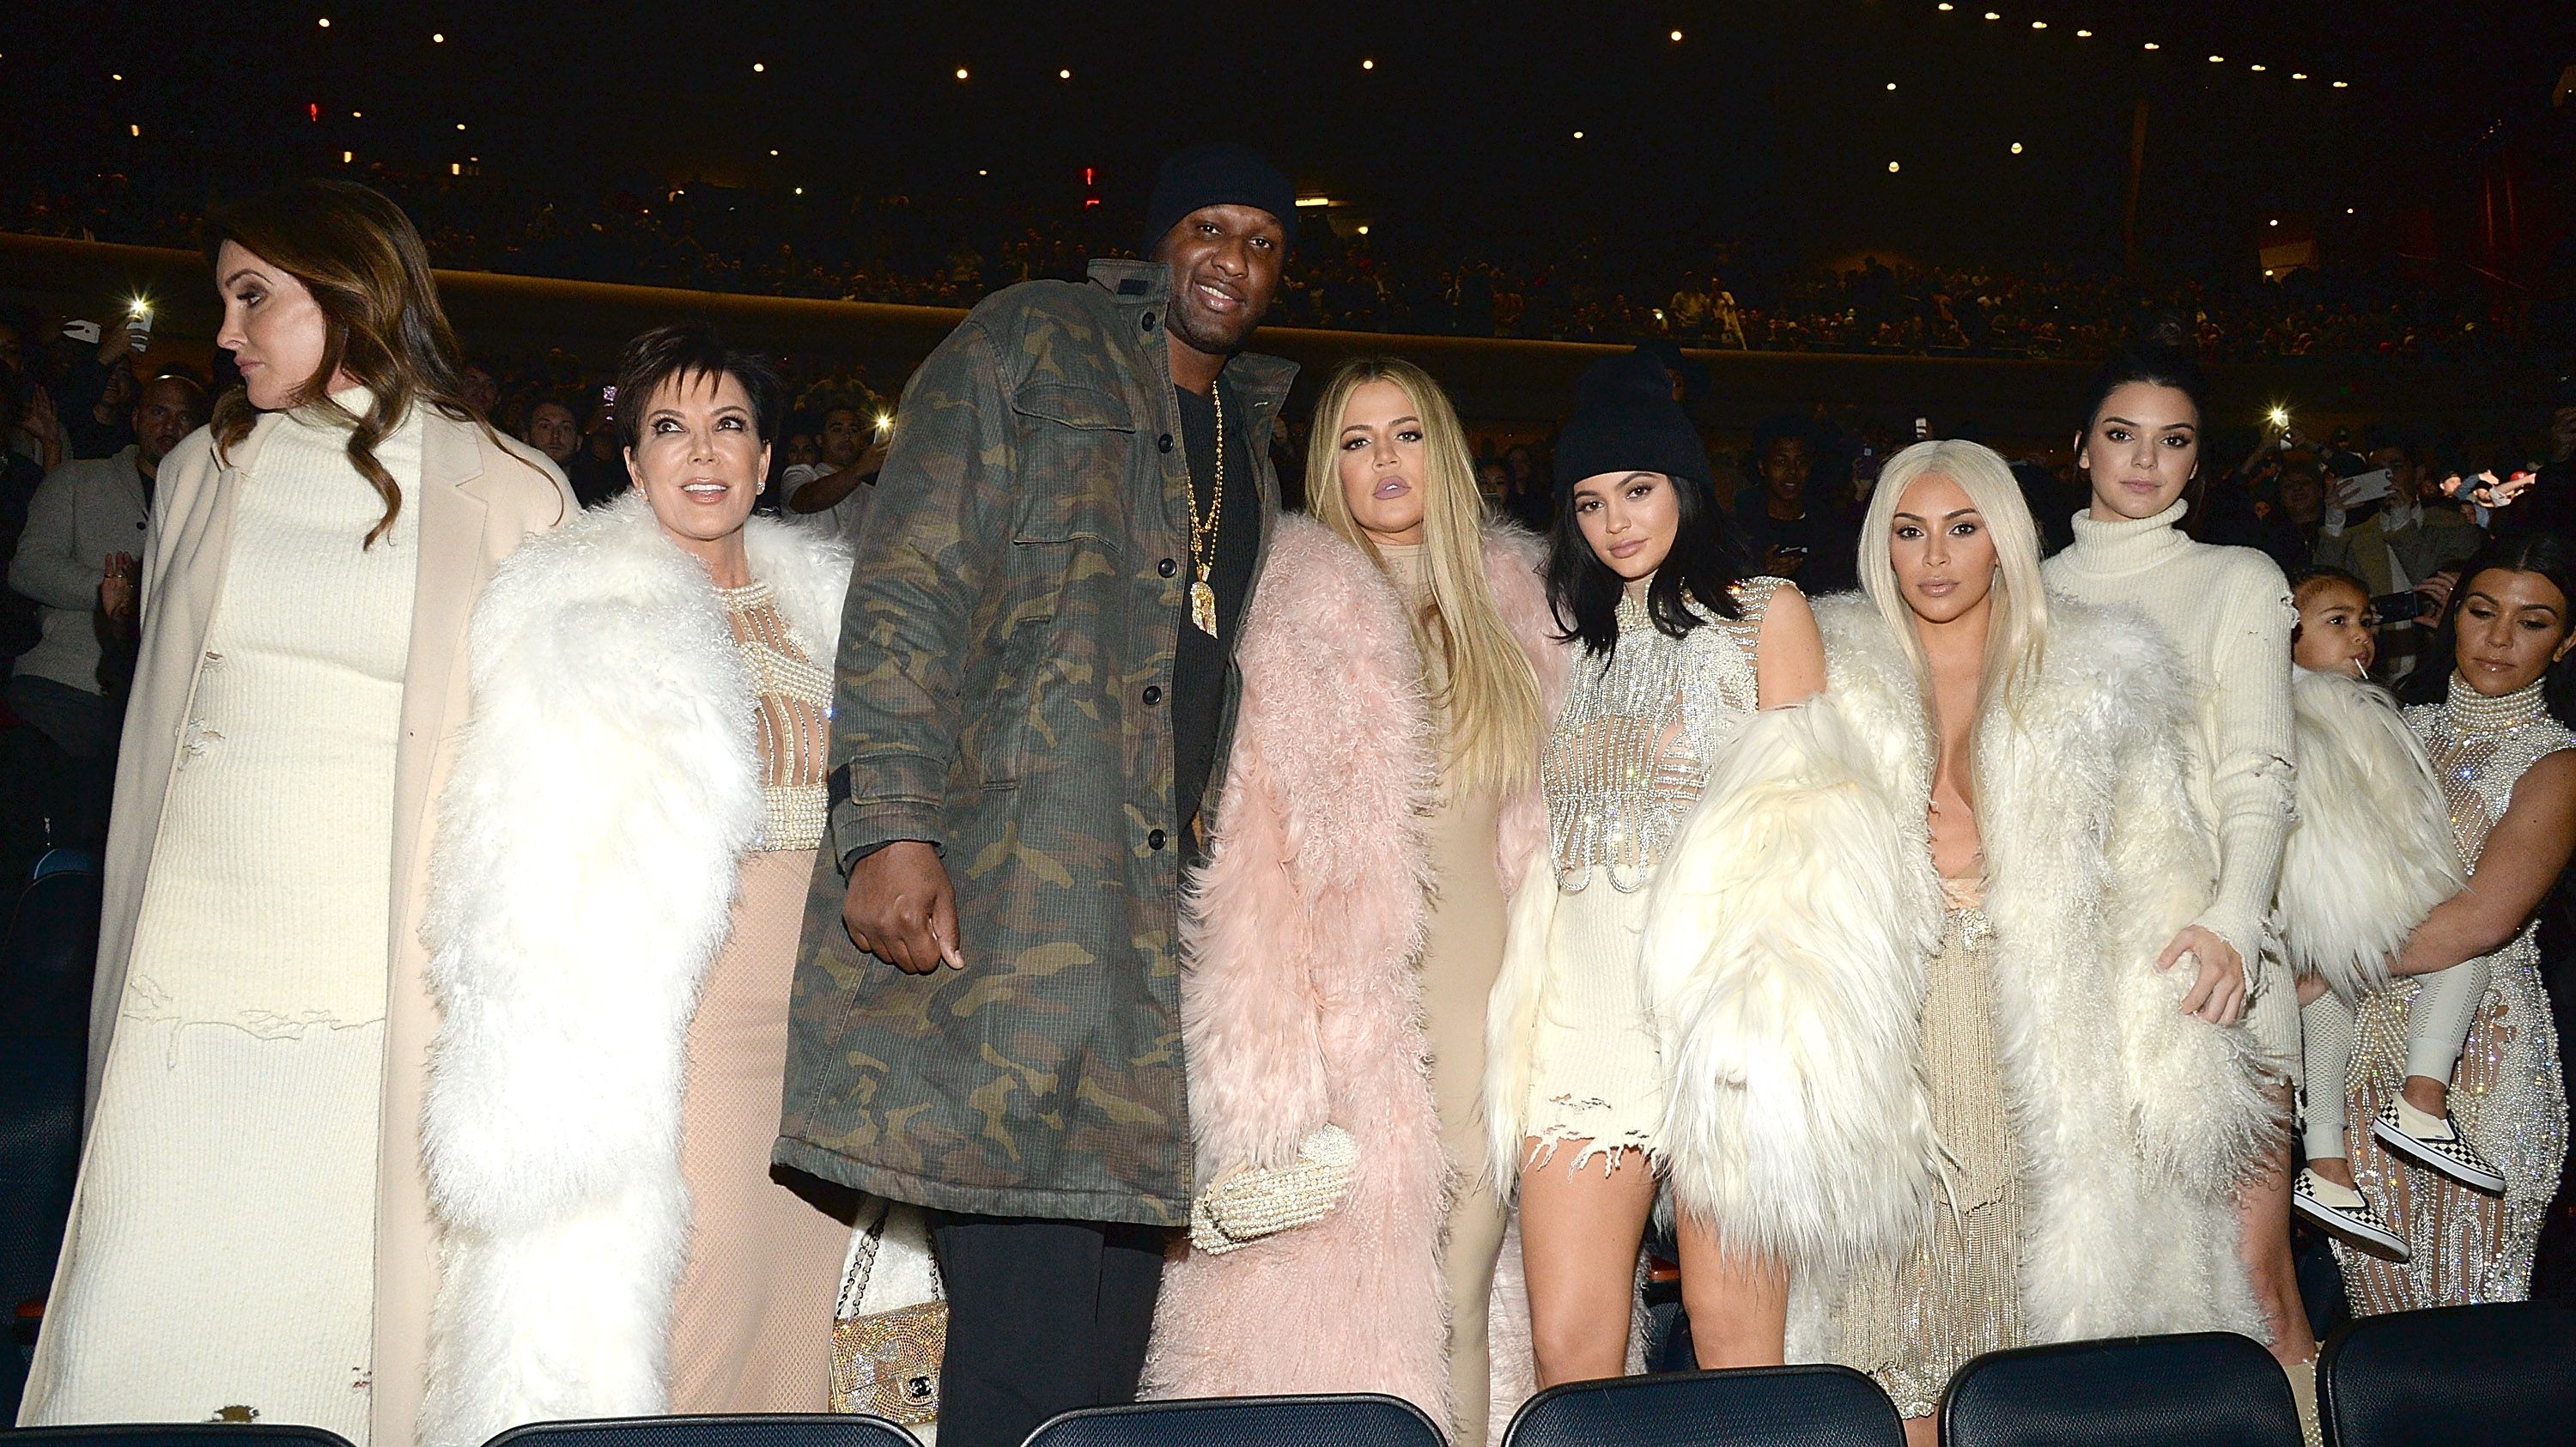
{"x": 223, "y": 1247}
{"x": 2227, "y": 611}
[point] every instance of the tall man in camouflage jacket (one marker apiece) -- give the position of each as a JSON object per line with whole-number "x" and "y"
{"x": 1035, "y": 689}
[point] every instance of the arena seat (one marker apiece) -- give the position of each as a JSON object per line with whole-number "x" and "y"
{"x": 2204, "y": 1389}
{"x": 1353, "y": 1420}
{"x": 1806, "y": 1406}
{"x": 176, "y": 1434}
{"x": 46, "y": 960}
{"x": 765, "y": 1429}
{"x": 2503, "y": 1373}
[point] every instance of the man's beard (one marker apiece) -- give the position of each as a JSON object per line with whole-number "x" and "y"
{"x": 1198, "y": 333}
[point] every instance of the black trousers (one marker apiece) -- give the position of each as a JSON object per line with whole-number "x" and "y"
{"x": 1043, "y": 1316}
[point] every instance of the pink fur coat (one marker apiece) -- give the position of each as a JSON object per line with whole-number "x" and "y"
{"x": 1302, "y": 1004}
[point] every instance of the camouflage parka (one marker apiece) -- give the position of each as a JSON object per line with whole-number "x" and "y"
{"x": 1005, "y": 665}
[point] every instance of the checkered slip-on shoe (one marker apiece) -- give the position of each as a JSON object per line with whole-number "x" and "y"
{"x": 2355, "y": 1223}
{"x": 2445, "y": 1154}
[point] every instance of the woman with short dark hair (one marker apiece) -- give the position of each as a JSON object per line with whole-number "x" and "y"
{"x": 621, "y": 880}
{"x": 252, "y": 1237}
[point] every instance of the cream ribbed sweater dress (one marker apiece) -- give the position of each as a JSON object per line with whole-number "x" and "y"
{"x": 2227, "y": 611}
{"x": 221, "y": 1259}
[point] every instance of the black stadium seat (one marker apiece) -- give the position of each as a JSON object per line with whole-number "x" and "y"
{"x": 769, "y": 1429}
{"x": 2497, "y": 1374}
{"x": 176, "y": 1434}
{"x": 1753, "y": 1407}
{"x": 2206, "y": 1389}
{"x": 1355, "y": 1420}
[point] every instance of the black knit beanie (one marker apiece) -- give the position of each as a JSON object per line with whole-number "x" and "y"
{"x": 1222, "y": 173}
{"x": 1625, "y": 420}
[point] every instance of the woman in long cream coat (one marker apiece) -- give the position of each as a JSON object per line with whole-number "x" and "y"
{"x": 251, "y": 1236}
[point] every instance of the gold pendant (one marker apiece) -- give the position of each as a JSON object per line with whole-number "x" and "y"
{"x": 1203, "y": 607}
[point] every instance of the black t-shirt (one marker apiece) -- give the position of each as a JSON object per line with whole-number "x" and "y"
{"x": 1200, "y": 662}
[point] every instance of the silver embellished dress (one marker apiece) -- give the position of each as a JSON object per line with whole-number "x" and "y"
{"x": 1626, "y": 761}
{"x": 2506, "y": 1097}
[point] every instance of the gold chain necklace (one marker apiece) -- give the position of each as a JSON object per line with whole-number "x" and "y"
{"x": 1203, "y": 534}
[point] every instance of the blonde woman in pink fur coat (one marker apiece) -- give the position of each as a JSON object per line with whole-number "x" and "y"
{"x": 1346, "y": 930}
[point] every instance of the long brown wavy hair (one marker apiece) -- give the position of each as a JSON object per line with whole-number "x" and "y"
{"x": 364, "y": 263}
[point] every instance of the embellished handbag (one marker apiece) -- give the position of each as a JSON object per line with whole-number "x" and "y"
{"x": 890, "y": 1329}
{"x": 1248, "y": 1206}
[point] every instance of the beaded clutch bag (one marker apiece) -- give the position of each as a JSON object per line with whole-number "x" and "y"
{"x": 890, "y": 1330}
{"x": 1244, "y": 1208}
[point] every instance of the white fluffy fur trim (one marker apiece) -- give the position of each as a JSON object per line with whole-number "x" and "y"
{"x": 605, "y": 790}
{"x": 2371, "y": 851}
{"x": 1511, "y": 1019}
{"x": 1783, "y": 959}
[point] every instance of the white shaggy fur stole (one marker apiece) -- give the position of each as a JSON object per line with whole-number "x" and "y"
{"x": 2370, "y": 853}
{"x": 1783, "y": 958}
{"x": 605, "y": 791}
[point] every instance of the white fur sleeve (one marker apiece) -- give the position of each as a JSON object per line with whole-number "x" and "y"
{"x": 1783, "y": 960}
{"x": 2371, "y": 852}
{"x": 579, "y": 885}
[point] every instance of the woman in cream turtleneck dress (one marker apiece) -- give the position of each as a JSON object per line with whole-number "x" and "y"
{"x": 2227, "y": 611}
{"x": 250, "y": 1238}
{"x": 1400, "y": 483}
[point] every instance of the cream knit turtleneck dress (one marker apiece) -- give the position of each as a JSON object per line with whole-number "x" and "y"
{"x": 2227, "y": 611}
{"x": 221, "y": 1256}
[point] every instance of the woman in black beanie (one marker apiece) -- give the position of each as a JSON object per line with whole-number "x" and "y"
{"x": 1679, "y": 651}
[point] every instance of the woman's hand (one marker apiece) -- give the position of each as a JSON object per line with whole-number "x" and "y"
{"x": 2218, "y": 995}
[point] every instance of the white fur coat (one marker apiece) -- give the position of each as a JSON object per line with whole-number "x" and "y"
{"x": 2370, "y": 853}
{"x": 1784, "y": 958}
{"x": 605, "y": 792}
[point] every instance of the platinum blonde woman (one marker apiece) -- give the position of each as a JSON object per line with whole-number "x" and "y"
{"x": 1903, "y": 961}
{"x": 1397, "y": 673}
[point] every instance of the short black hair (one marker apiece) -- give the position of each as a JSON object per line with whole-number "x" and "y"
{"x": 677, "y": 353}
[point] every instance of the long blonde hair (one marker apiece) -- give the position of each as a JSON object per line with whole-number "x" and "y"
{"x": 1490, "y": 695}
{"x": 2017, "y": 633}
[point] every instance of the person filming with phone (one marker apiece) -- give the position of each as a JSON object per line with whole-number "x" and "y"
{"x": 2381, "y": 527}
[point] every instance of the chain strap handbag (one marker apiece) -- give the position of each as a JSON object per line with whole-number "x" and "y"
{"x": 890, "y": 1328}
{"x": 1250, "y": 1205}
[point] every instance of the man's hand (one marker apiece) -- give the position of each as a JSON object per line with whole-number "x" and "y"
{"x": 116, "y": 588}
{"x": 901, "y": 908}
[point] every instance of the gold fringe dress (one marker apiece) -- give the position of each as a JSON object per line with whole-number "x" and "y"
{"x": 1913, "y": 1321}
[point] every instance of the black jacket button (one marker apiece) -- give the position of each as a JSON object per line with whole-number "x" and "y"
{"x": 1149, "y": 321}
{"x": 1153, "y": 694}
{"x": 1154, "y": 839}
{"x": 1164, "y": 442}
{"x": 1167, "y": 567}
